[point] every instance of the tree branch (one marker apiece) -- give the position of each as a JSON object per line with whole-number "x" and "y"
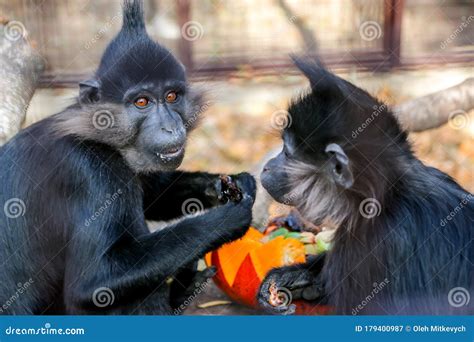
{"x": 306, "y": 34}
{"x": 20, "y": 69}
{"x": 436, "y": 109}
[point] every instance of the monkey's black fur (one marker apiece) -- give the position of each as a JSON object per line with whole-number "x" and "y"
{"x": 414, "y": 253}
{"x": 75, "y": 195}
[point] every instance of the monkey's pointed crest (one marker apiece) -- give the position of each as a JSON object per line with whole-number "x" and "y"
{"x": 132, "y": 58}
{"x": 319, "y": 77}
{"x": 133, "y": 21}
{"x": 308, "y": 65}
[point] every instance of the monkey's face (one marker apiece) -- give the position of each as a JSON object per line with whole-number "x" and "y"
{"x": 313, "y": 181}
{"x": 331, "y": 148}
{"x": 313, "y": 171}
{"x": 161, "y": 115}
{"x": 149, "y": 124}
{"x": 274, "y": 178}
{"x": 142, "y": 89}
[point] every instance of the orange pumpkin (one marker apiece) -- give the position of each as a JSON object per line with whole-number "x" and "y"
{"x": 243, "y": 264}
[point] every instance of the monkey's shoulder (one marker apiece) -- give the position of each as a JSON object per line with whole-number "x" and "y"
{"x": 39, "y": 151}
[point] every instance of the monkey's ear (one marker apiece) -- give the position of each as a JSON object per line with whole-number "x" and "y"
{"x": 89, "y": 91}
{"x": 339, "y": 164}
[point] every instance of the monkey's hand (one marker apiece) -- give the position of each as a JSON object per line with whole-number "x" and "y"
{"x": 238, "y": 216}
{"x": 246, "y": 183}
{"x": 231, "y": 188}
{"x": 229, "y": 191}
{"x": 283, "y": 285}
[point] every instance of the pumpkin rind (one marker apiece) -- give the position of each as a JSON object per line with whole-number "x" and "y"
{"x": 243, "y": 264}
{"x": 276, "y": 253}
{"x": 233, "y": 254}
{"x": 246, "y": 284}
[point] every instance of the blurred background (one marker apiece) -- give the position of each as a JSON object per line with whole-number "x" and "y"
{"x": 397, "y": 50}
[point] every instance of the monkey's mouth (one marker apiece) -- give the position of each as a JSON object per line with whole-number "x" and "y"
{"x": 170, "y": 153}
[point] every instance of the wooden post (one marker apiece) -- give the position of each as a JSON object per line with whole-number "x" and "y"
{"x": 392, "y": 30}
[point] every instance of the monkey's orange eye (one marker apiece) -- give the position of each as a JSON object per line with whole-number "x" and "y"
{"x": 141, "y": 102}
{"x": 171, "y": 97}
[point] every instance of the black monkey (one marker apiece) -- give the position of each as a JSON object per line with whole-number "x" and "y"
{"x": 76, "y": 189}
{"x": 405, "y": 231}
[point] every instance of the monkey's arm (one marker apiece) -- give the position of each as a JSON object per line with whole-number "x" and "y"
{"x": 135, "y": 265}
{"x": 169, "y": 195}
{"x": 303, "y": 281}
{"x": 132, "y": 262}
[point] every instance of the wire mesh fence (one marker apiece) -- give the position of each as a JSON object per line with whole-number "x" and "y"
{"x": 219, "y": 36}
